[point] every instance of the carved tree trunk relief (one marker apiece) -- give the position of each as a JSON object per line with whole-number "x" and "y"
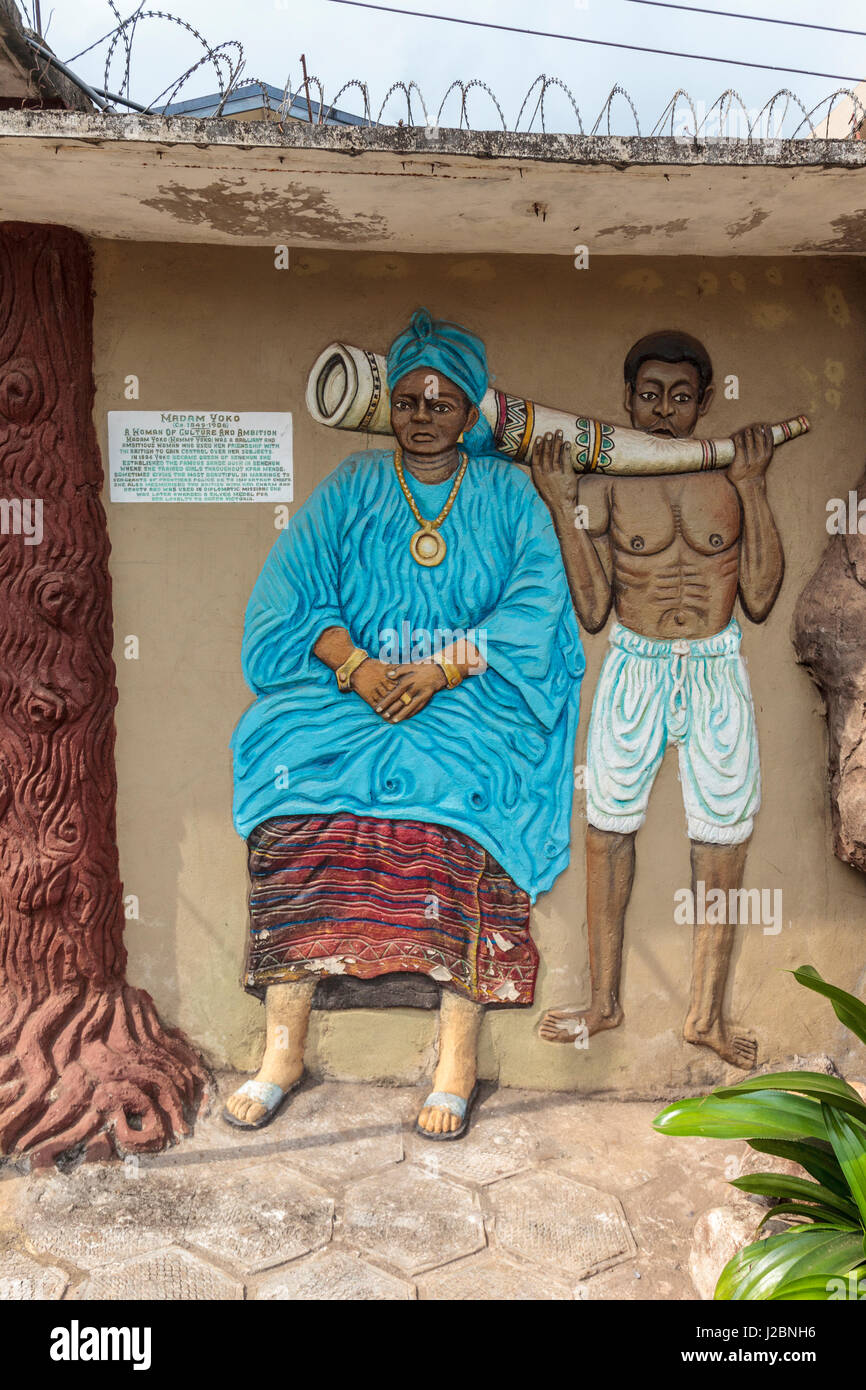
{"x": 85, "y": 1064}
{"x": 830, "y": 641}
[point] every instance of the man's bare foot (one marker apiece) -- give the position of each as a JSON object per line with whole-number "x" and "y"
{"x": 734, "y": 1044}
{"x": 279, "y": 1068}
{"x": 568, "y": 1025}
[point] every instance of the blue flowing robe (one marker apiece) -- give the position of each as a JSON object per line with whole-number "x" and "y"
{"x": 492, "y": 757}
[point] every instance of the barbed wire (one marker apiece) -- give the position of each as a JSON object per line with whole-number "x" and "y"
{"x": 728, "y": 117}
{"x": 539, "y": 105}
{"x": 465, "y": 88}
{"x": 617, "y": 91}
{"x": 365, "y": 92}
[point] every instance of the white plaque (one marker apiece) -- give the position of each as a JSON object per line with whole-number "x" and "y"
{"x": 200, "y": 456}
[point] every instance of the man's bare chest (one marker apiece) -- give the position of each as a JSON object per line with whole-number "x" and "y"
{"x": 697, "y": 511}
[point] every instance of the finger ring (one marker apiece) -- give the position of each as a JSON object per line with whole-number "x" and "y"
{"x": 405, "y": 698}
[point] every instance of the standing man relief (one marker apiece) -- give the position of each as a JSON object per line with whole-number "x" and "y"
{"x": 671, "y": 555}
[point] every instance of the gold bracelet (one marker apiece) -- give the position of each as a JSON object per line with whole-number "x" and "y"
{"x": 345, "y": 672}
{"x": 450, "y": 671}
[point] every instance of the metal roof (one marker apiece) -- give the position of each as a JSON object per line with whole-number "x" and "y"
{"x": 250, "y": 96}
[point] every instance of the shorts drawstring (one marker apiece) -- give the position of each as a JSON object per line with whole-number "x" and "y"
{"x": 680, "y": 651}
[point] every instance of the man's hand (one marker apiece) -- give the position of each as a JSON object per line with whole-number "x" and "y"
{"x": 419, "y": 680}
{"x": 753, "y": 450}
{"x": 371, "y": 681}
{"x": 554, "y": 478}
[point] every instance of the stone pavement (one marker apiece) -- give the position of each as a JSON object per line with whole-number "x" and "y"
{"x": 550, "y": 1196}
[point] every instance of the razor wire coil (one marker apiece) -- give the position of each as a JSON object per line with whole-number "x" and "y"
{"x": 228, "y": 62}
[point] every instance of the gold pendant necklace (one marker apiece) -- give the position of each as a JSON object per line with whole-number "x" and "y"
{"x": 427, "y": 546}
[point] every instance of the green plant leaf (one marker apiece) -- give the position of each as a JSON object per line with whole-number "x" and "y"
{"x": 849, "y": 1010}
{"x": 825, "y": 1216}
{"x": 796, "y": 1190}
{"x": 807, "y": 1083}
{"x": 849, "y": 1145}
{"x": 817, "y": 1289}
{"x": 738, "y": 1266}
{"x": 816, "y": 1157}
{"x": 762, "y": 1267}
{"x": 768, "y": 1115}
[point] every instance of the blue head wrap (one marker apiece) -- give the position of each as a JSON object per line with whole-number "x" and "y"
{"x": 453, "y": 352}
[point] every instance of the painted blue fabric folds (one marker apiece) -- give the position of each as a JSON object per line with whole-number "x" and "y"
{"x": 493, "y": 757}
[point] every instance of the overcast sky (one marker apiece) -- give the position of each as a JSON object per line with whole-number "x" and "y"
{"x": 341, "y": 42}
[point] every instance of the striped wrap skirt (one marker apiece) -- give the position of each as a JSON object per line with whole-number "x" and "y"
{"x": 352, "y": 895}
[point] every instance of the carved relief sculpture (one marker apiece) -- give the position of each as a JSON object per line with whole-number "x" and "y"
{"x": 86, "y": 1067}
{"x": 403, "y": 776}
{"x": 669, "y": 530}
{"x": 670, "y": 556}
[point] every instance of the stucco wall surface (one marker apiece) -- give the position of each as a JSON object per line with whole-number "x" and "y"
{"x": 220, "y": 328}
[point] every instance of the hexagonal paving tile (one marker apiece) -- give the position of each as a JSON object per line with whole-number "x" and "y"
{"x": 104, "y": 1211}
{"x": 559, "y": 1223}
{"x": 341, "y": 1131}
{"x": 334, "y": 1274}
{"x": 23, "y": 1280}
{"x": 411, "y": 1219}
{"x": 257, "y": 1215}
{"x": 615, "y": 1147}
{"x": 167, "y": 1275}
{"x": 490, "y": 1276}
{"x": 500, "y": 1141}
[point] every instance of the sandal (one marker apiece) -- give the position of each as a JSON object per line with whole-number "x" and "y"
{"x": 266, "y": 1093}
{"x": 447, "y": 1100}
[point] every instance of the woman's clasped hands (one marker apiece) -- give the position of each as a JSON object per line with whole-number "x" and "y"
{"x": 397, "y": 692}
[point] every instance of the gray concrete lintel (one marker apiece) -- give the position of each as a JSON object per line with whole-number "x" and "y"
{"x": 393, "y": 189}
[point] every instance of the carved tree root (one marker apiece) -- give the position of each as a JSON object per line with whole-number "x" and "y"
{"x": 85, "y": 1065}
{"x": 106, "y": 1078}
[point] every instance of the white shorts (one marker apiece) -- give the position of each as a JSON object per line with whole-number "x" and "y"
{"x": 694, "y": 694}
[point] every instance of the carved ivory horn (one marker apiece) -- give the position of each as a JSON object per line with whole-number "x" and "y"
{"x": 348, "y": 389}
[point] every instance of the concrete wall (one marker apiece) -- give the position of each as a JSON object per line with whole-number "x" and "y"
{"x": 220, "y": 328}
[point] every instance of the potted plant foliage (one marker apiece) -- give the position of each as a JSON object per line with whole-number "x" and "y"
{"x": 818, "y": 1122}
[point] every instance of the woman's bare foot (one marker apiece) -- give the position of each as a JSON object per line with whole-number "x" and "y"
{"x": 459, "y": 1022}
{"x": 459, "y": 1080}
{"x": 734, "y": 1044}
{"x": 288, "y": 1014}
{"x": 276, "y": 1068}
{"x": 566, "y": 1025}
